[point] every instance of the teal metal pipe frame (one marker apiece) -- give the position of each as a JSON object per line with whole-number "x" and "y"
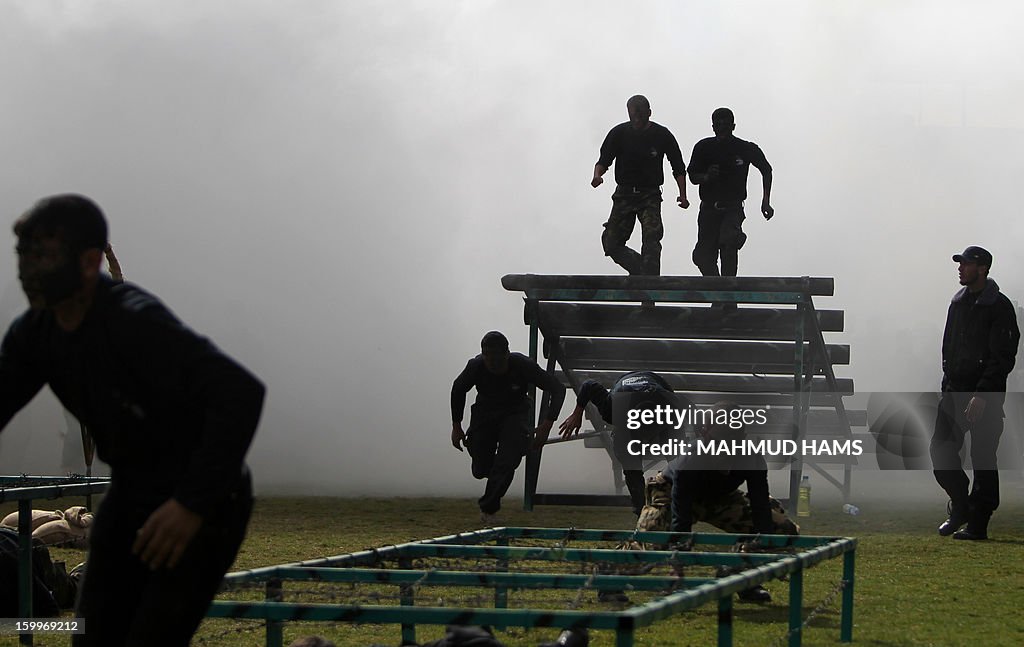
{"x": 24, "y": 489}
{"x": 680, "y": 593}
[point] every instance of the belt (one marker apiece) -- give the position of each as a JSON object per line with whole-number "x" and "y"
{"x": 727, "y": 204}
{"x": 637, "y": 189}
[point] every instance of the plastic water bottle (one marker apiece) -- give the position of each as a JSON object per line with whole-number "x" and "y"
{"x": 803, "y": 502}
{"x": 851, "y": 509}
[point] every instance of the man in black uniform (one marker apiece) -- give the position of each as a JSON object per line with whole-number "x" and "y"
{"x": 979, "y": 349}
{"x": 500, "y": 424}
{"x": 639, "y": 145}
{"x": 171, "y": 414}
{"x": 640, "y": 390}
{"x": 719, "y": 165}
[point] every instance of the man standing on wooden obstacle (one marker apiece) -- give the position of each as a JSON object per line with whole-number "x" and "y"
{"x": 719, "y": 165}
{"x": 501, "y": 418}
{"x": 979, "y": 349}
{"x": 639, "y": 146}
{"x": 640, "y": 390}
{"x": 170, "y": 413}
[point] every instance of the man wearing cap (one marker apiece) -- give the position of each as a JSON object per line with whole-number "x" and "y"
{"x": 719, "y": 165}
{"x": 979, "y": 348}
{"x": 639, "y": 146}
{"x": 638, "y": 390}
{"x": 500, "y": 422}
{"x": 170, "y": 413}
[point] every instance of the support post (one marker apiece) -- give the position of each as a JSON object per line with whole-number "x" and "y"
{"x": 532, "y": 457}
{"x": 25, "y": 564}
{"x": 501, "y": 592}
{"x": 275, "y": 628}
{"x": 725, "y": 621}
{"x": 796, "y": 604}
{"x": 846, "y": 621}
{"x": 407, "y": 598}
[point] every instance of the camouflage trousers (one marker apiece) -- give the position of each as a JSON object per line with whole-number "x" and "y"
{"x": 629, "y": 206}
{"x": 731, "y": 513}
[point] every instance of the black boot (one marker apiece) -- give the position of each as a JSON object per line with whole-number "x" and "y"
{"x": 957, "y": 517}
{"x": 636, "y": 486}
{"x": 977, "y": 527}
{"x": 571, "y": 638}
{"x": 755, "y": 594}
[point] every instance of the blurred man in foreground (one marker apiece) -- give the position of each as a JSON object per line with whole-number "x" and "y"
{"x": 170, "y": 413}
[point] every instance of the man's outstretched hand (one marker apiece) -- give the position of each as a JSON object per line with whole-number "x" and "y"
{"x": 572, "y": 424}
{"x": 767, "y": 211}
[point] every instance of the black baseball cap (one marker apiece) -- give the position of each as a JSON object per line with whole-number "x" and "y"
{"x": 974, "y": 254}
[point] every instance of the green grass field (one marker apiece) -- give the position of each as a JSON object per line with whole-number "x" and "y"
{"x": 913, "y": 587}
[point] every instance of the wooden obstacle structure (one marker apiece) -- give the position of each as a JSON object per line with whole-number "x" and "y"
{"x": 773, "y": 355}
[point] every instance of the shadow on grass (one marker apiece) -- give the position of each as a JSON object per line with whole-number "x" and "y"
{"x": 826, "y": 620}
{"x": 779, "y": 613}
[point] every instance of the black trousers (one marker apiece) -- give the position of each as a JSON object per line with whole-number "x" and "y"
{"x": 951, "y": 427}
{"x": 632, "y": 466}
{"x": 719, "y": 233}
{"x": 497, "y": 442}
{"x": 125, "y": 604}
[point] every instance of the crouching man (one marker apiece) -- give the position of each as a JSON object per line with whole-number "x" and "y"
{"x": 706, "y": 488}
{"x": 637, "y": 391}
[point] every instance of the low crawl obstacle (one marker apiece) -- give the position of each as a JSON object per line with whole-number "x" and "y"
{"x": 495, "y": 563}
{"x": 771, "y": 355}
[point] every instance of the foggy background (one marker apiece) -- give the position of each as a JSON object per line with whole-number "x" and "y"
{"x": 332, "y": 190}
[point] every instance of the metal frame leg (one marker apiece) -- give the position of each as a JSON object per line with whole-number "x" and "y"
{"x": 796, "y": 603}
{"x": 725, "y": 621}
{"x": 846, "y": 621}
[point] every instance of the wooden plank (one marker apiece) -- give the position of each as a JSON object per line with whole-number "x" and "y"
{"x": 675, "y": 322}
{"x": 687, "y": 355}
{"x": 761, "y": 399}
{"x": 721, "y": 384}
{"x": 526, "y": 282}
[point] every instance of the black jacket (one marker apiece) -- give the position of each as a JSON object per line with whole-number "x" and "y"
{"x": 637, "y": 381}
{"x": 507, "y": 393}
{"x": 979, "y": 344}
{"x": 171, "y": 414}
